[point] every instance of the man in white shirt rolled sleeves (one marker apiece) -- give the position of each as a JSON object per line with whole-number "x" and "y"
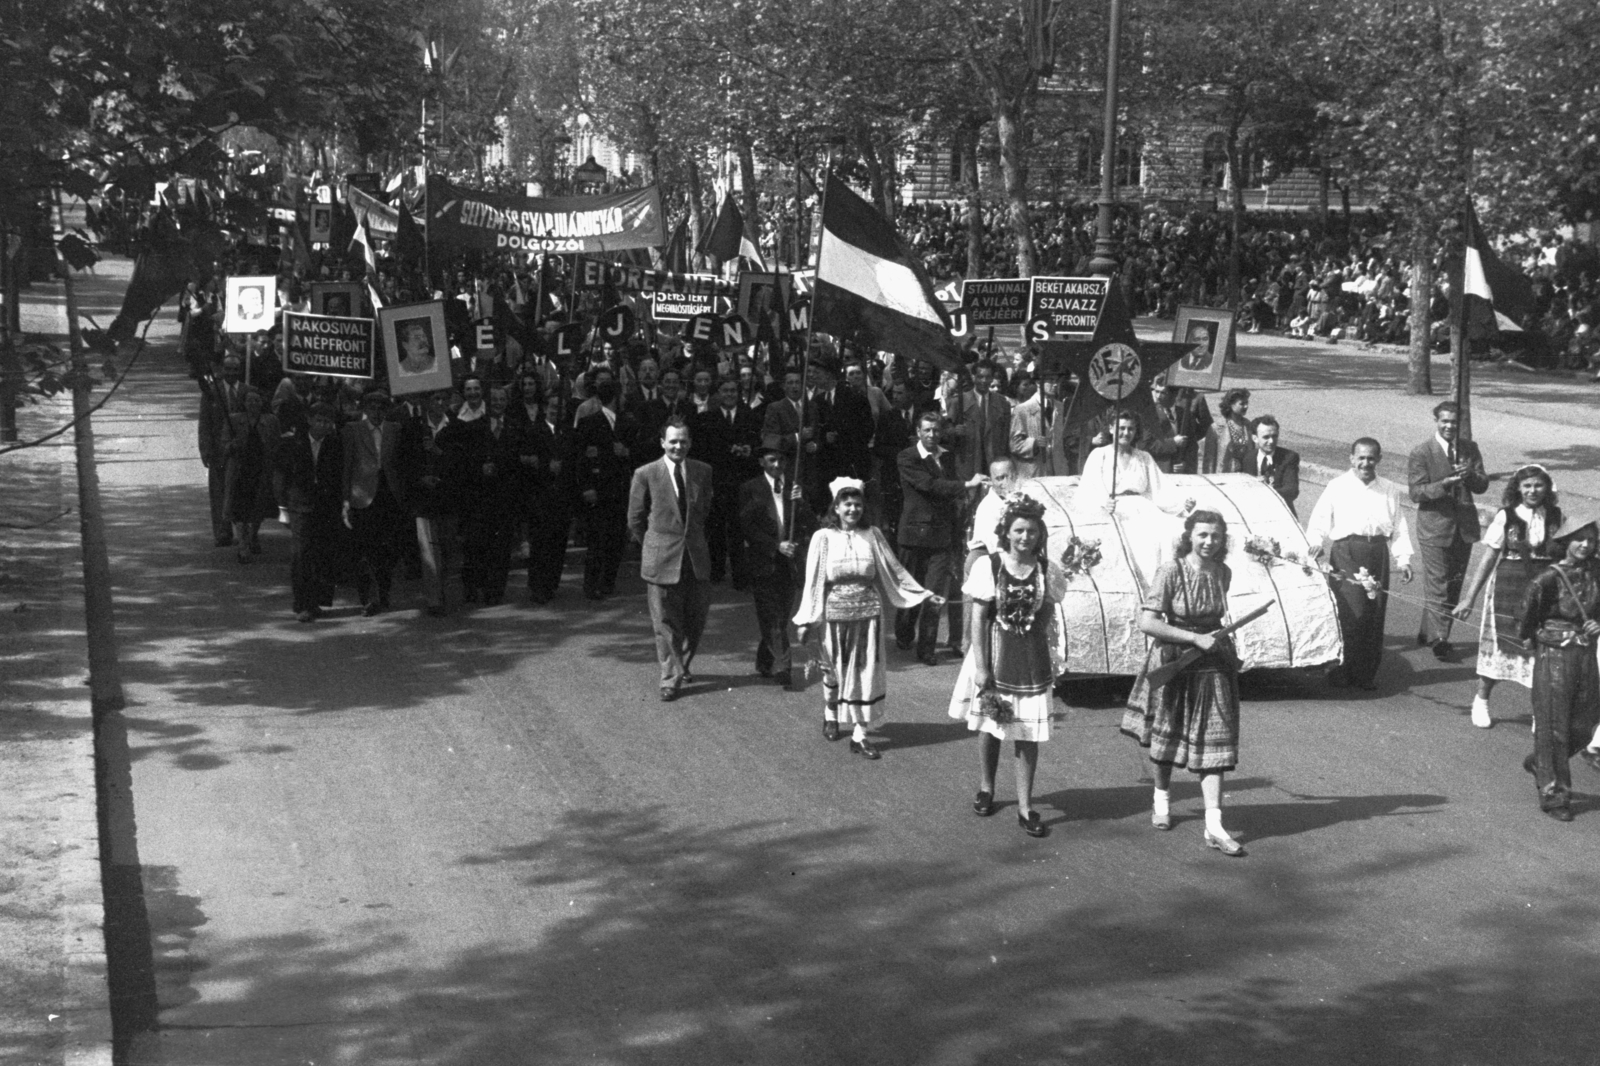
{"x": 1360, "y": 519}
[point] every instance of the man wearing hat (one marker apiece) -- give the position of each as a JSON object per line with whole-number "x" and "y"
{"x": 373, "y": 495}
{"x": 776, "y": 526}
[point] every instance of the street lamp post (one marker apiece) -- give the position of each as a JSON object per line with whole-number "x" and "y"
{"x": 1106, "y": 246}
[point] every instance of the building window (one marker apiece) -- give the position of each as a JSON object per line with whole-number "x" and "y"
{"x": 1129, "y": 169}
{"x": 1214, "y": 162}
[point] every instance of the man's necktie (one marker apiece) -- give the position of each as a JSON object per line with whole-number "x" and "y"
{"x": 683, "y": 493}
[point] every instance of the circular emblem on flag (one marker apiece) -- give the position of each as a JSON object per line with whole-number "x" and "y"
{"x": 1115, "y": 371}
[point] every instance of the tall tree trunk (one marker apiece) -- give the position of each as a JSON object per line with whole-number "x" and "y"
{"x": 752, "y": 197}
{"x": 967, "y": 145}
{"x": 1324, "y": 183}
{"x": 891, "y": 181}
{"x": 1010, "y": 126}
{"x": 696, "y": 208}
{"x": 1419, "y": 380}
{"x": 1236, "y": 202}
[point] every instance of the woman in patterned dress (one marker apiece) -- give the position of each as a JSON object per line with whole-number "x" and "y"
{"x": 1228, "y": 440}
{"x": 1192, "y": 721}
{"x": 850, "y": 574}
{"x": 1519, "y": 548}
{"x": 1014, "y": 654}
{"x": 1560, "y": 626}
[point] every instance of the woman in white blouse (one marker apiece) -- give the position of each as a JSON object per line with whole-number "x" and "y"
{"x": 1519, "y": 548}
{"x": 851, "y": 573}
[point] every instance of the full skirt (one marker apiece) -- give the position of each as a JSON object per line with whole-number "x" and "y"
{"x": 853, "y": 677}
{"x": 1192, "y": 721}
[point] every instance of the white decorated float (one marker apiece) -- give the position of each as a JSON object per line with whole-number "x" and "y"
{"x": 1100, "y": 614}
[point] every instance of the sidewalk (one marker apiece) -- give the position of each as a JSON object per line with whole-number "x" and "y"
{"x": 54, "y": 995}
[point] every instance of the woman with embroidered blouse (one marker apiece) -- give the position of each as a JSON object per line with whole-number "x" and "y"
{"x": 1191, "y": 721}
{"x": 1004, "y": 686}
{"x": 850, "y": 574}
{"x": 1519, "y": 548}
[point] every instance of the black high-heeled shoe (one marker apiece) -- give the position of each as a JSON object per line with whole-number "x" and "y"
{"x": 830, "y": 729}
{"x": 1031, "y": 824}
{"x": 864, "y": 748}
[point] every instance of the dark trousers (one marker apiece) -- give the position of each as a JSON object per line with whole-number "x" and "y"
{"x": 1361, "y": 619}
{"x": 312, "y": 542}
{"x": 217, "y": 486}
{"x": 932, "y": 569}
{"x": 1443, "y": 568}
{"x": 486, "y": 548}
{"x": 774, "y": 596}
{"x": 605, "y": 535}
{"x": 1566, "y": 697}
{"x": 548, "y": 524}
{"x": 372, "y": 538}
{"x": 678, "y": 616}
{"x": 723, "y": 535}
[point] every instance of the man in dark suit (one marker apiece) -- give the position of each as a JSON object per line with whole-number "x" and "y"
{"x": 781, "y": 429}
{"x": 667, "y": 508}
{"x": 433, "y": 463}
{"x": 220, "y": 399}
{"x": 1277, "y": 467}
{"x": 652, "y": 414}
{"x": 603, "y": 447}
{"x": 494, "y": 470}
{"x": 776, "y": 524}
{"x": 374, "y": 495}
{"x": 546, "y": 457}
{"x": 726, "y": 436}
{"x": 894, "y": 432}
{"x": 1444, "y": 473}
{"x": 930, "y": 523}
{"x": 308, "y": 479}
{"x": 844, "y": 426}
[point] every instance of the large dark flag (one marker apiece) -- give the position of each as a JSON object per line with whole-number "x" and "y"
{"x": 1496, "y": 296}
{"x": 1114, "y": 368}
{"x": 870, "y": 286}
{"x": 676, "y": 257}
{"x": 728, "y": 237}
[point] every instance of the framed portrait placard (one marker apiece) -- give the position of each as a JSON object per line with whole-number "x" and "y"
{"x": 341, "y": 299}
{"x": 250, "y": 304}
{"x": 416, "y": 346}
{"x": 1208, "y": 331}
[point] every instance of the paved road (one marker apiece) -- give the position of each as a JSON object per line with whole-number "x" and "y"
{"x": 482, "y": 840}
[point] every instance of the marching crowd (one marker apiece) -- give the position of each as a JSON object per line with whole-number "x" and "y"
{"x": 858, "y": 487}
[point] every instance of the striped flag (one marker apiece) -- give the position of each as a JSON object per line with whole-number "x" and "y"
{"x": 362, "y": 244}
{"x": 1495, "y": 295}
{"x": 870, "y": 286}
{"x": 728, "y": 238}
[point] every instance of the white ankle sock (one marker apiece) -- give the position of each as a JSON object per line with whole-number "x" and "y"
{"x": 1162, "y": 802}
{"x": 859, "y": 734}
{"x": 1214, "y": 822}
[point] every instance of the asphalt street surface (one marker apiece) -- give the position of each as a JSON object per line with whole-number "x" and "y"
{"x": 481, "y": 839}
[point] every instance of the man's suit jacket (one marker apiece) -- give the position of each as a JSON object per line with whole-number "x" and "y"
{"x": 365, "y": 464}
{"x": 895, "y": 432}
{"x": 1445, "y": 510}
{"x": 848, "y": 416}
{"x": 218, "y": 401}
{"x": 781, "y": 423}
{"x": 599, "y": 467}
{"x": 764, "y": 529}
{"x": 424, "y": 455}
{"x": 310, "y": 487}
{"x": 1285, "y": 472}
{"x": 980, "y": 436}
{"x": 551, "y": 450}
{"x": 930, "y": 511}
{"x": 1027, "y": 427}
{"x": 666, "y": 535}
{"x": 651, "y": 416}
{"x": 498, "y": 492}
{"x": 714, "y": 440}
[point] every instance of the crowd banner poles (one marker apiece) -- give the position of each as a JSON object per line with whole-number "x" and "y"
{"x": 427, "y": 235}
{"x": 1461, "y": 345}
{"x": 572, "y": 287}
{"x": 805, "y": 366}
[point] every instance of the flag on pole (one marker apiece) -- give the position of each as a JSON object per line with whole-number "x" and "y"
{"x": 372, "y": 294}
{"x": 361, "y": 245}
{"x": 676, "y": 257}
{"x": 728, "y": 237}
{"x": 868, "y": 283}
{"x": 1496, "y": 295}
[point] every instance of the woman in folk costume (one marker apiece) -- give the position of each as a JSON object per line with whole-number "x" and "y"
{"x": 1519, "y": 548}
{"x": 1004, "y": 686}
{"x": 1561, "y": 626}
{"x": 1191, "y": 721}
{"x": 850, "y": 574}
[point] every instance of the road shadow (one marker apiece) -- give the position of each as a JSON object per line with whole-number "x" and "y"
{"x": 682, "y": 946}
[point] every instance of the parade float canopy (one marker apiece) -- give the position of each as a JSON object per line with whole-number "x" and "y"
{"x": 1100, "y": 613}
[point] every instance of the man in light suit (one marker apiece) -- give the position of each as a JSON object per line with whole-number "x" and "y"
{"x": 1278, "y": 467}
{"x": 373, "y": 497}
{"x": 1444, "y": 473}
{"x": 667, "y": 508}
{"x": 1037, "y": 427}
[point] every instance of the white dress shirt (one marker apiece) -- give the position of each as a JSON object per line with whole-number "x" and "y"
{"x": 1350, "y": 507}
